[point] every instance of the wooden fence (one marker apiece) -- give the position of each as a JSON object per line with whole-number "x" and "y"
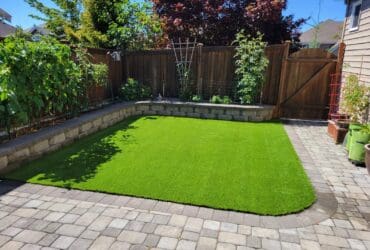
{"x": 298, "y": 83}
{"x": 213, "y": 71}
{"x": 305, "y": 83}
{"x": 98, "y": 94}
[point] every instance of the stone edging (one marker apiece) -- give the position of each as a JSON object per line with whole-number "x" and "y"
{"x": 32, "y": 146}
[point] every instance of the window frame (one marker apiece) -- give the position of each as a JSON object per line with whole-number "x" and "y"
{"x": 353, "y": 6}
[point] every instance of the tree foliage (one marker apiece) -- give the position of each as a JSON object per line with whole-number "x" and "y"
{"x": 217, "y": 22}
{"x": 119, "y": 24}
{"x": 123, "y": 24}
{"x": 63, "y": 21}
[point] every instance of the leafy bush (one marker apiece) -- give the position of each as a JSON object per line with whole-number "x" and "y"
{"x": 251, "y": 64}
{"x": 133, "y": 91}
{"x": 196, "y": 98}
{"x": 355, "y": 99}
{"x": 37, "y": 79}
{"x": 92, "y": 74}
{"x": 220, "y": 100}
{"x": 100, "y": 74}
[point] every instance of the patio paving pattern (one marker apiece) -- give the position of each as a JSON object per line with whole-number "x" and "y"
{"x": 42, "y": 217}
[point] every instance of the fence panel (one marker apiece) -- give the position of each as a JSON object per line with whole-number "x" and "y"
{"x": 297, "y": 83}
{"x": 304, "y": 89}
{"x": 213, "y": 71}
{"x": 97, "y": 94}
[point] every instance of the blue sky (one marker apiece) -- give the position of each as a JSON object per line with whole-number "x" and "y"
{"x": 333, "y": 9}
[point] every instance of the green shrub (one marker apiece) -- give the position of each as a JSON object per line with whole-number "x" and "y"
{"x": 92, "y": 74}
{"x": 355, "y": 99}
{"x": 100, "y": 74}
{"x": 37, "y": 79}
{"x": 133, "y": 91}
{"x": 196, "y": 98}
{"x": 251, "y": 64}
{"x": 220, "y": 100}
{"x": 226, "y": 100}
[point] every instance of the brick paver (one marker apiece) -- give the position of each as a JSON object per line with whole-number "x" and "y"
{"x": 37, "y": 217}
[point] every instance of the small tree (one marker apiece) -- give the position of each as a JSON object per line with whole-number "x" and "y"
{"x": 63, "y": 21}
{"x": 251, "y": 64}
{"x": 217, "y": 22}
{"x": 122, "y": 24}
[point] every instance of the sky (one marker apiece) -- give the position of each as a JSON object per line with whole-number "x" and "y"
{"x": 330, "y": 9}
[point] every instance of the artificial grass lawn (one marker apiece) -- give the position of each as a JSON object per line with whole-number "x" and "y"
{"x": 249, "y": 167}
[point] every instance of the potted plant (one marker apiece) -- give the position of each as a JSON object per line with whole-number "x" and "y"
{"x": 355, "y": 103}
{"x": 338, "y": 127}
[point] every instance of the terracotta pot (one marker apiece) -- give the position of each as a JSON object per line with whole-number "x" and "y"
{"x": 337, "y": 130}
{"x": 367, "y": 157}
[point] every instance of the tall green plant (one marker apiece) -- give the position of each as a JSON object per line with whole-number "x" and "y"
{"x": 37, "y": 79}
{"x": 251, "y": 64}
{"x": 91, "y": 74}
{"x": 355, "y": 100}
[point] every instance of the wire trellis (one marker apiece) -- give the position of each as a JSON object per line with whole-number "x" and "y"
{"x": 184, "y": 53}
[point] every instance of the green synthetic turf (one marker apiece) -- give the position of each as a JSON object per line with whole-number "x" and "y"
{"x": 249, "y": 167}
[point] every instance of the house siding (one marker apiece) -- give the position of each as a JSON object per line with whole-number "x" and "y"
{"x": 357, "y": 54}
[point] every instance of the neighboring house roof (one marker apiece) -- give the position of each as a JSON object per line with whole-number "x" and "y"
{"x": 329, "y": 33}
{"x": 6, "y": 29}
{"x": 38, "y": 29}
{"x": 5, "y": 15}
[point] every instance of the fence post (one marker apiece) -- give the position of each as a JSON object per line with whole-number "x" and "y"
{"x": 155, "y": 81}
{"x": 110, "y": 74}
{"x": 125, "y": 66}
{"x": 199, "y": 71}
{"x": 278, "y": 111}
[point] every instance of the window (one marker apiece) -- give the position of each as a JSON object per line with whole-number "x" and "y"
{"x": 355, "y": 15}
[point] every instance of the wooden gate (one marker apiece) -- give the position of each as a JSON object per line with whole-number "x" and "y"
{"x": 304, "y": 84}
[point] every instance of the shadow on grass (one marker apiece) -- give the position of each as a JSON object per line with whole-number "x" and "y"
{"x": 81, "y": 160}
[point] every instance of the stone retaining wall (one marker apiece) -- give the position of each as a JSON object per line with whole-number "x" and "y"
{"x": 32, "y": 146}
